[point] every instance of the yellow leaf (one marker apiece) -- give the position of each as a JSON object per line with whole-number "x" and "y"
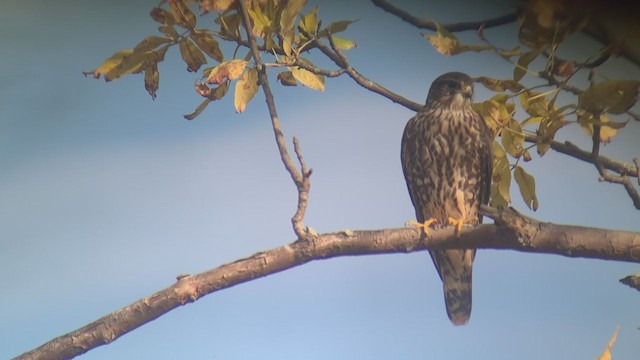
{"x": 246, "y": 89}
{"x": 191, "y": 55}
{"x": 613, "y": 96}
{"x": 527, "y": 185}
{"x": 336, "y": 27}
{"x": 444, "y": 42}
{"x": 501, "y": 177}
{"x": 608, "y": 128}
{"x": 113, "y": 61}
{"x": 606, "y": 355}
{"x": 344, "y": 44}
{"x": 152, "y": 79}
{"x": 499, "y": 85}
{"x": 513, "y": 138}
{"x": 287, "y": 23}
{"x": 182, "y": 14}
{"x": 208, "y": 44}
{"x": 216, "y": 5}
{"x": 170, "y": 31}
{"x": 226, "y": 70}
{"x": 309, "y": 23}
{"x": 307, "y": 78}
{"x": 134, "y": 63}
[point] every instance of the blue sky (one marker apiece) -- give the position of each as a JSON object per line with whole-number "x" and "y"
{"x": 106, "y": 196}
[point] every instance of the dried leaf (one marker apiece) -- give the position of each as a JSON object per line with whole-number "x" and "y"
{"x": 499, "y": 85}
{"x": 246, "y": 89}
{"x": 444, "y": 42}
{"x": 527, "y": 185}
{"x": 286, "y": 78}
{"x": 226, "y": 70}
{"x": 113, "y": 61}
{"x": 215, "y": 5}
{"x": 613, "y": 96}
{"x": 192, "y": 56}
{"x": 152, "y": 79}
{"x": 307, "y": 78}
{"x": 198, "y": 110}
{"x": 208, "y": 44}
{"x": 182, "y": 14}
{"x": 162, "y": 16}
{"x": 150, "y": 43}
{"x": 170, "y": 31}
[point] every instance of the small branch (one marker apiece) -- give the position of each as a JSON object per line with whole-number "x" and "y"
{"x": 430, "y": 25}
{"x": 300, "y": 178}
{"x": 522, "y": 234}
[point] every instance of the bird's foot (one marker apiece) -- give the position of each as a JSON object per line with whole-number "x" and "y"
{"x": 425, "y": 225}
{"x": 458, "y": 223}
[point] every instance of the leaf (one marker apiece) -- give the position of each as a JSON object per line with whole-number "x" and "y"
{"x": 509, "y": 53}
{"x": 336, "y": 27}
{"x": 182, "y": 14}
{"x": 192, "y": 56}
{"x": 606, "y": 355}
{"x": 288, "y": 16}
{"x": 444, "y": 42}
{"x": 527, "y": 185}
{"x": 215, "y": 5}
{"x": 613, "y": 96}
{"x": 170, "y": 31}
{"x": 513, "y": 139}
{"x": 150, "y": 43}
{"x": 495, "y": 112}
{"x": 499, "y": 85}
{"x": 523, "y": 63}
{"x": 132, "y": 62}
{"x": 113, "y": 61}
{"x": 246, "y": 89}
{"x": 344, "y": 44}
{"x": 208, "y": 44}
{"x": 226, "y": 70}
{"x": 309, "y": 22}
{"x": 501, "y": 177}
{"x": 152, "y": 79}
{"x": 162, "y": 16}
{"x": 307, "y": 78}
{"x": 608, "y": 128}
{"x": 286, "y": 78}
{"x": 229, "y": 24}
{"x": 198, "y": 111}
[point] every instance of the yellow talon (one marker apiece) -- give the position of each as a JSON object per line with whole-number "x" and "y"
{"x": 458, "y": 223}
{"x": 425, "y": 226}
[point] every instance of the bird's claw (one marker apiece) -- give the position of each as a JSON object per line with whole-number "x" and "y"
{"x": 425, "y": 225}
{"x": 458, "y": 223}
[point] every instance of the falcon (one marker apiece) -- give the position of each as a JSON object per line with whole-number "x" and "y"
{"x": 447, "y": 164}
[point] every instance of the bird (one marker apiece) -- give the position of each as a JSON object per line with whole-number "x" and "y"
{"x": 447, "y": 164}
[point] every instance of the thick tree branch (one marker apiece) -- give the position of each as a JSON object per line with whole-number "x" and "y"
{"x": 515, "y": 232}
{"x": 431, "y": 25}
{"x": 300, "y": 178}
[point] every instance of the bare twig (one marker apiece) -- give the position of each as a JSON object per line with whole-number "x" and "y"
{"x": 522, "y": 234}
{"x": 300, "y": 178}
{"x": 431, "y": 25}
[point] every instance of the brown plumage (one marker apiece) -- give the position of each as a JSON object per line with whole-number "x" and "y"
{"x": 446, "y": 159}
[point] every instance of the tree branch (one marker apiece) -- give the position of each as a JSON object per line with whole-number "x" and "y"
{"x": 632, "y": 281}
{"x": 300, "y": 178}
{"x": 514, "y": 232}
{"x": 431, "y": 25}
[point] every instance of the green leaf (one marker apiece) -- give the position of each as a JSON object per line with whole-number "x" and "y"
{"x": 113, "y": 61}
{"x": 208, "y": 44}
{"x": 336, "y": 27}
{"x": 527, "y": 185}
{"x": 246, "y": 89}
{"x": 613, "y": 96}
{"x": 199, "y": 110}
{"x": 523, "y": 63}
{"x": 192, "y": 56}
{"x": 307, "y": 78}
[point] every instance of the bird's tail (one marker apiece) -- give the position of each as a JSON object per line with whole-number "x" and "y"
{"x": 455, "y": 269}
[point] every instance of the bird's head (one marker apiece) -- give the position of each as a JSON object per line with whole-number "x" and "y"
{"x": 453, "y": 89}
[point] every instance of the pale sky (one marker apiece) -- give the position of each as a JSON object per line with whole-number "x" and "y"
{"x": 106, "y": 196}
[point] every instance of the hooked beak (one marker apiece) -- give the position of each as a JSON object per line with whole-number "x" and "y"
{"x": 467, "y": 91}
